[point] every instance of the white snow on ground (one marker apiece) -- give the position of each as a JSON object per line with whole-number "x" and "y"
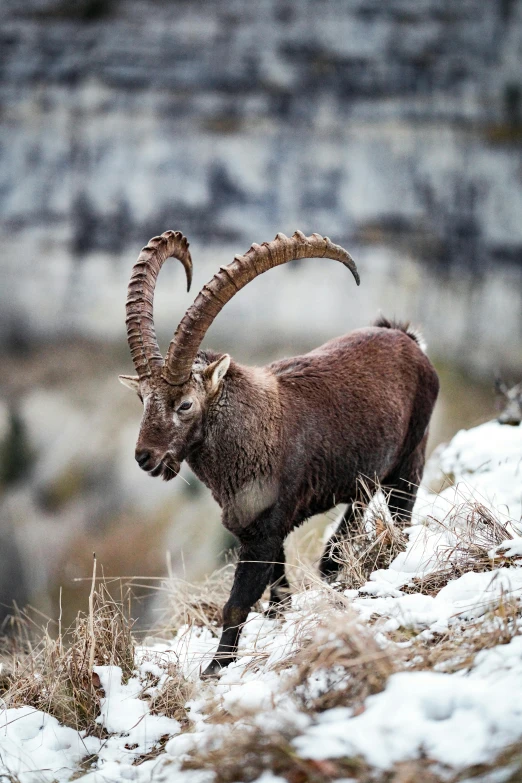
{"x": 455, "y": 719}
{"x": 485, "y": 464}
{"x": 460, "y": 721}
{"x": 33, "y": 746}
{"x": 467, "y": 597}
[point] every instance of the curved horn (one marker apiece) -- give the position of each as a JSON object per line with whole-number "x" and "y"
{"x": 229, "y": 280}
{"x": 140, "y": 298}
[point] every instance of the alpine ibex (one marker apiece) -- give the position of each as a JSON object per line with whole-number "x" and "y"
{"x": 511, "y": 401}
{"x": 280, "y": 443}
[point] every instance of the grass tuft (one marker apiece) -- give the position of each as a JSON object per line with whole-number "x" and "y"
{"x": 342, "y": 664}
{"x": 373, "y": 542}
{"x": 476, "y": 531}
{"x": 55, "y": 674}
{"x": 246, "y": 756}
{"x": 172, "y": 694}
{"x": 197, "y": 604}
{"x": 457, "y": 649}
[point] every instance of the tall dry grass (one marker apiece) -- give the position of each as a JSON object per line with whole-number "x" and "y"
{"x": 55, "y": 673}
{"x": 374, "y": 539}
{"x": 475, "y": 531}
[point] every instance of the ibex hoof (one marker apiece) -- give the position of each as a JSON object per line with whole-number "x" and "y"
{"x": 276, "y": 609}
{"x": 215, "y": 668}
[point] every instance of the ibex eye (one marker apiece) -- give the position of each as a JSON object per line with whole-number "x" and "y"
{"x": 185, "y": 406}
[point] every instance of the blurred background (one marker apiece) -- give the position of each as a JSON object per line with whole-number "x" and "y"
{"x": 393, "y": 127}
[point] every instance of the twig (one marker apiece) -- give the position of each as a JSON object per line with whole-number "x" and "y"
{"x": 91, "y": 616}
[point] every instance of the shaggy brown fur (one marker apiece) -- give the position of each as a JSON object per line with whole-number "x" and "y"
{"x": 279, "y": 444}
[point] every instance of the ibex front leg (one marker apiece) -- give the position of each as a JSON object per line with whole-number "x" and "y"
{"x": 260, "y": 547}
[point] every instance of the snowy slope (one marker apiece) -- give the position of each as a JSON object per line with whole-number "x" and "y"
{"x": 452, "y": 714}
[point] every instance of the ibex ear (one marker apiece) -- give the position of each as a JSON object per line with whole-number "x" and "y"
{"x": 132, "y": 382}
{"x": 216, "y": 371}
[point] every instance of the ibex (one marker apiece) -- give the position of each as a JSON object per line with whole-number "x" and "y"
{"x": 281, "y": 443}
{"x": 512, "y": 403}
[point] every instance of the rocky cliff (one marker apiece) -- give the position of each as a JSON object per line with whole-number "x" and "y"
{"x": 393, "y": 127}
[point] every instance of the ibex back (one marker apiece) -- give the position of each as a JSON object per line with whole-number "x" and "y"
{"x": 280, "y": 443}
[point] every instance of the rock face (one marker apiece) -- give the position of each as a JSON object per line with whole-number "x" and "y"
{"x": 393, "y": 127}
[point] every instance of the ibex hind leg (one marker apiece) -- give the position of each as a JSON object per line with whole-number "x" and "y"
{"x": 332, "y": 557}
{"x": 401, "y": 488}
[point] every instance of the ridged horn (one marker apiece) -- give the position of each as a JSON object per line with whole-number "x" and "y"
{"x": 229, "y": 280}
{"x": 141, "y": 336}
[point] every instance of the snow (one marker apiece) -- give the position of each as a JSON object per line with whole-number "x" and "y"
{"x": 248, "y": 698}
{"x": 508, "y": 548}
{"x": 34, "y": 747}
{"x": 123, "y": 712}
{"x": 456, "y": 720}
{"x": 486, "y": 465}
{"x": 467, "y": 597}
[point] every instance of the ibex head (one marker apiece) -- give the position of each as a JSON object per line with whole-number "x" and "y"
{"x": 512, "y": 410}
{"x": 177, "y": 391}
{"x": 173, "y": 417}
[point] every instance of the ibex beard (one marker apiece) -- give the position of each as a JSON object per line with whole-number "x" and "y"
{"x": 281, "y": 443}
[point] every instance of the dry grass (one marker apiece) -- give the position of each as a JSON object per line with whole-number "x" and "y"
{"x": 340, "y": 661}
{"x": 342, "y": 655}
{"x": 171, "y": 696}
{"x": 245, "y": 756}
{"x": 374, "y": 540}
{"x": 342, "y": 664}
{"x": 475, "y": 531}
{"x": 196, "y": 604}
{"x": 505, "y": 768}
{"x": 244, "y": 759}
{"x": 457, "y": 649}
{"x": 55, "y": 674}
